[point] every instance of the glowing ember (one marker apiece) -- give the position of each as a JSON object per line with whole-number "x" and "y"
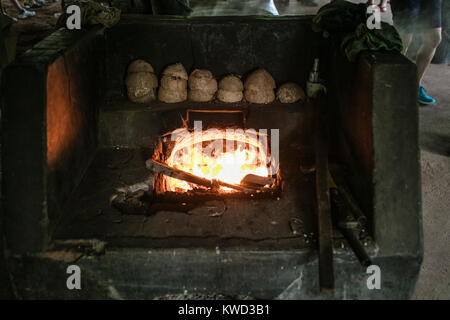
{"x": 221, "y": 155}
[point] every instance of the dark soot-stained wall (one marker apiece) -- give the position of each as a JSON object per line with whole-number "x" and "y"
{"x": 285, "y": 47}
{"x": 49, "y": 132}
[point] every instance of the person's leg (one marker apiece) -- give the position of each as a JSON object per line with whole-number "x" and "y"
{"x": 6, "y": 13}
{"x": 17, "y": 5}
{"x": 381, "y": 3}
{"x": 430, "y": 41}
{"x": 406, "y": 39}
{"x": 431, "y": 30}
{"x": 24, "y": 13}
{"x": 405, "y": 15}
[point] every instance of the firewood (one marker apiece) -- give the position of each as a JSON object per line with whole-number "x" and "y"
{"x": 164, "y": 169}
{"x": 134, "y": 199}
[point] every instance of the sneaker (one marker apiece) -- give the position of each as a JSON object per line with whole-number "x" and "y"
{"x": 423, "y": 97}
{"x": 25, "y": 14}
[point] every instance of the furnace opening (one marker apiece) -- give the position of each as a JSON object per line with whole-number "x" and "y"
{"x": 216, "y": 161}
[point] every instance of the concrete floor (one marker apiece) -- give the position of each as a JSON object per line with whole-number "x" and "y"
{"x": 434, "y": 280}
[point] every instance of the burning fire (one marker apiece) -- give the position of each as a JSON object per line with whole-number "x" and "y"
{"x": 227, "y": 156}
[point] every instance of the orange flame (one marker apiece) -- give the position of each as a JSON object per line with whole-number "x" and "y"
{"x": 203, "y": 155}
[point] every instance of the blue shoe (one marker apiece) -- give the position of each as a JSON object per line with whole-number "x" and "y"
{"x": 423, "y": 97}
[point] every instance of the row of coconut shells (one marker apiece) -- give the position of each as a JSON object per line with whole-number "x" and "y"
{"x": 259, "y": 86}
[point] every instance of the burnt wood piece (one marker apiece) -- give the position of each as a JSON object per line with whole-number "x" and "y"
{"x": 164, "y": 169}
{"x": 324, "y": 223}
{"x": 136, "y": 203}
{"x": 134, "y": 199}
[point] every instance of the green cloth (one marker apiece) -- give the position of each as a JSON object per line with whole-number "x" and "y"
{"x": 363, "y": 39}
{"x": 92, "y": 13}
{"x": 339, "y": 16}
{"x": 348, "y": 21}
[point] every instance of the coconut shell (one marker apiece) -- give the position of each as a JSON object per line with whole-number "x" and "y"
{"x": 171, "y": 96}
{"x": 210, "y": 87}
{"x": 176, "y": 70}
{"x": 151, "y": 96}
{"x": 260, "y": 80}
{"x": 202, "y": 80}
{"x": 261, "y": 97}
{"x": 140, "y": 84}
{"x": 229, "y": 96}
{"x": 173, "y": 83}
{"x": 290, "y": 92}
{"x": 140, "y": 66}
{"x": 231, "y": 83}
{"x": 200, "y": 96}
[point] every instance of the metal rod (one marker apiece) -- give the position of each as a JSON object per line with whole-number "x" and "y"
{"x": 164, "y": 169}
{"x": 357, "y": 247}
{"x": 348, "y": 233}
{"x": 359, "y": 215}
{"x": 325, "y": 228}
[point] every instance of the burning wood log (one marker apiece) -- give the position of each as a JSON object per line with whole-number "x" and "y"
{"x": 164, "y": 169}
